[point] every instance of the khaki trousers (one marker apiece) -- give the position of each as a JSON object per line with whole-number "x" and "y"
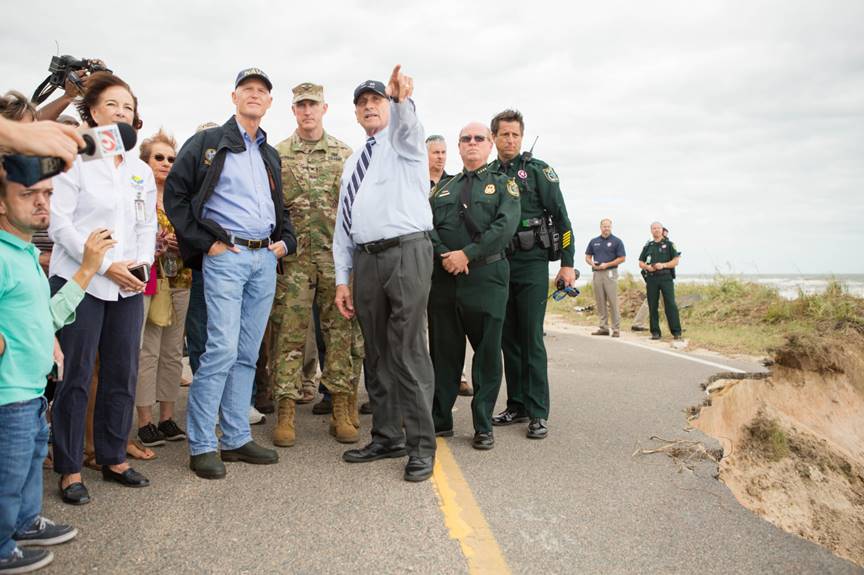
{"x": 606, "y": 293}
{"x": 161, "y": 362}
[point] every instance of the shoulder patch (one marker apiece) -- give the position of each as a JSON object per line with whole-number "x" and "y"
{"x": 209, "y": 154}
{"x": 512, "y": 188}
{"x": 489, "y": 190}
{"x": 550, "y": 174}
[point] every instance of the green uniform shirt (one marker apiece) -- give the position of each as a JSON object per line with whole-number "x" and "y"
{"x": 310, "y": 185}
{"x": 658, "y": 252}
{"x": 494, "y": 207}
{"x": 539, "y": 190}
{"x": 29, "y": 316}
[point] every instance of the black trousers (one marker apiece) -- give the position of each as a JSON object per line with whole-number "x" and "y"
{"x": 113, "y": 329}
{"x": 391, "y": 291}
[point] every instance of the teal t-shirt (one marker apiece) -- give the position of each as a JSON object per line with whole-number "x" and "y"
{"x": 28, "y": 319}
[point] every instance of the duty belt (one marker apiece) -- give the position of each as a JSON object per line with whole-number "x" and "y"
{"x": 251, "y": 244}
{"x": 486, "y": 261}
{"x": 660, "y": 273}
{"x": 379, "y": 246}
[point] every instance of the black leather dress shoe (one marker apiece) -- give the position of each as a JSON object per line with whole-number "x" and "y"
{"x": 129, "y": 478}
{"x": 537, "y": 429}
{"x": 74, "y": 493}
{"x": 251, "y": 452}
{"x": 483, "y": 441}
{"x": 207, "y": 465}
{"x": 373, "y": 452}
{"x": 444, "y": 433}
{"x": 509, "y": 417}
{"x": 419, "y": 468}
{"x": 365, "y": 408}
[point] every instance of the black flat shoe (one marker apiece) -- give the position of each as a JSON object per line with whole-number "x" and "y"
{"x": 483, "y": 441}
{"x": 509, "y": 417}
{"x": 129, "y": 478}
{"x": 74, "y": 493}
{"x": 419, "y": 468}
{"x": 373, "y": 452}
{"x": 537, "y": 429}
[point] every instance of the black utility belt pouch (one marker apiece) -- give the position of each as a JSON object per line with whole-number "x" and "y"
{"x": 526, "y": 240}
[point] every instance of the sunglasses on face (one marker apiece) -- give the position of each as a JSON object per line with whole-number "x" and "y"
{"x": 466, "y": 139}
{"x": 163, "y": 157}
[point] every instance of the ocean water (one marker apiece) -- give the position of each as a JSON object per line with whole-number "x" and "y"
{"x": 788, "y": 285}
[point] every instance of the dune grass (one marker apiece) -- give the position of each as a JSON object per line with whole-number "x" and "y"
{"x": 734, "y": 316}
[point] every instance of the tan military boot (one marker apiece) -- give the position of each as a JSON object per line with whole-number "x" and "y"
{"x": 353, "y": 415}
{"x": 340, "y": 423}
{"x": 283, "y": 433}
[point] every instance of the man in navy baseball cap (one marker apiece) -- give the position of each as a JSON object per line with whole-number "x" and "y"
{"x": 255, "y": 73}
{"x": 369, "y": 86}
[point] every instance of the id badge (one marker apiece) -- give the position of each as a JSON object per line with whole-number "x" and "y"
{"x": 139, "y": 211}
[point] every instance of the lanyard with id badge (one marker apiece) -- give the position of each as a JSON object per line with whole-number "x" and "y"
{"x": 138, "y": 185}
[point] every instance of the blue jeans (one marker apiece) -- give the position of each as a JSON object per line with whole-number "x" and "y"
{"x": 196, "y": 321}
{"x": 239, "y": 289}
{"x": 23, "y": 447}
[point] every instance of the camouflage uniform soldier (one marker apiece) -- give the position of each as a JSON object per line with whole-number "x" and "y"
{"x": 311, "y": 167}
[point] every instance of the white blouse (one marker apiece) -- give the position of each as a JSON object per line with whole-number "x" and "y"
{"x": 96, "y": 194}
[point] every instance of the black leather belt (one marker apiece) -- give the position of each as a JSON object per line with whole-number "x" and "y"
{"x": 379, "y": 246}
{"x": 252, "y": 244}
{"x": 486, "y": 261}
{"x": 659, "y": 273}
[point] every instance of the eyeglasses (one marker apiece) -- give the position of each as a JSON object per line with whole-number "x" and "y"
{"x": 477, "y": 138}
{"x": 163, "y": 157}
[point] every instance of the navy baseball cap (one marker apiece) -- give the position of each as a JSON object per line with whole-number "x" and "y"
{"x": 369, "y": 86}
{"x": 253, "y": 73}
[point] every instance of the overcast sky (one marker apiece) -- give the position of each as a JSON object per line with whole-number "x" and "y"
{"x": 739, "y": 125}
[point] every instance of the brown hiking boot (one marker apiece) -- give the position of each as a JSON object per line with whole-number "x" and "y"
{"x": 283, "y": 433}
{"x": 340, "y": 423}
{"x": 353, "y": 415}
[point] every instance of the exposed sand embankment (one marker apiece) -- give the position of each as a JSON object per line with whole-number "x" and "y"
{"x": 793, "y": 442}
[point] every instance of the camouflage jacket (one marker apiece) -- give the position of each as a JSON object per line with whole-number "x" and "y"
{"x": 310, "y": 184}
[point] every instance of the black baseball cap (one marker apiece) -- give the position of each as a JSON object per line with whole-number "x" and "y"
{"x": 369, "y": 86}
{"x": 253, "y": 73}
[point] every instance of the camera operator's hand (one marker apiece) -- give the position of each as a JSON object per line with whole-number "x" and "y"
{"x": 2, "y": 344}
{"x": 41, "y": 139}
{"x": 118, "y": 273}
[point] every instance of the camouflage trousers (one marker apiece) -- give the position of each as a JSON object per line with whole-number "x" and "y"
{"x": 302, "y": 284}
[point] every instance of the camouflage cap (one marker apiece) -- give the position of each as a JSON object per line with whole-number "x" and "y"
{"x": 308, "y": 91}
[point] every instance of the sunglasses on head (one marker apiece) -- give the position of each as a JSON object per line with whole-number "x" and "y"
{"x": 163, "y": 157}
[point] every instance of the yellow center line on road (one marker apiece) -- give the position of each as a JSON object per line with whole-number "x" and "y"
{"x": 463, "y": 516}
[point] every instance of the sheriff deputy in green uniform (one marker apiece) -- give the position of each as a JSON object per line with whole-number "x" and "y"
{"x": 474, "y": 215}
{"x": 535, "y": 245}
{"x": 658, "y": 261}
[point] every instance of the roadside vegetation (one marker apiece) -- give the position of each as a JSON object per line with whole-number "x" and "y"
{"x": 735, "y": 316}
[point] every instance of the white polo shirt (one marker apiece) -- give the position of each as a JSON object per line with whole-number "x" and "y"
{"x": 96, "y": 194}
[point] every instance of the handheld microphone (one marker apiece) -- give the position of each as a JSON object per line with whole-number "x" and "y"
{"x": 99, "y": 142}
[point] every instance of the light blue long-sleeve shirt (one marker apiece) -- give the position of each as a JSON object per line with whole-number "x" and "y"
{"x": 29, "y": 316}
{"x": 393, "y": 199}
{"x": 241, "y": 201}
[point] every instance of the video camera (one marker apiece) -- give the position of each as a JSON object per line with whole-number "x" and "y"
{"x": 65, "y": 68}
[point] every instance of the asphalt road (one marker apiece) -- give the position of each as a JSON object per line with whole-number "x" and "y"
{"x": 576, "y": 502}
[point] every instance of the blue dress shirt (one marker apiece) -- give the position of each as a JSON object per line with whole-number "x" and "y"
{"x": 241, "y": 202}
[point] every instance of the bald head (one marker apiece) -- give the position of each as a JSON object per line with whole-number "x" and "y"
{"x": 475, "y": 145}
